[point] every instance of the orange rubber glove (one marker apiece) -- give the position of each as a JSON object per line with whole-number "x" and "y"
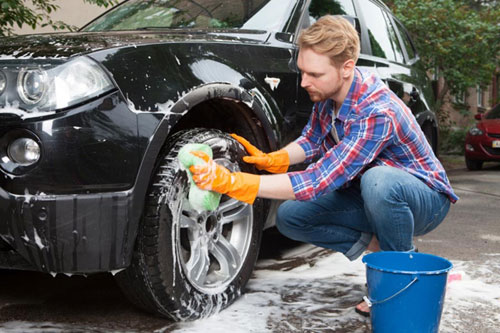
{"x": 213, "y": 177}
{"x": 275, "y": 162}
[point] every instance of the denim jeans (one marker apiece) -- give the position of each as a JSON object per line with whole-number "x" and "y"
{"x": 388, "y": 202}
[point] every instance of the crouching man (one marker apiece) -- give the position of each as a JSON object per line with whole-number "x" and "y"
{"x": 377, "y": 182}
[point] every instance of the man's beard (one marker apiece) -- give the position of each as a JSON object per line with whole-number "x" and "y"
{"x": 320, "y": 96}
{"x": 315, "y": 96}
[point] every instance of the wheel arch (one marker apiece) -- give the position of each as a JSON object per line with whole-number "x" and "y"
{"x": 229, "y": 108}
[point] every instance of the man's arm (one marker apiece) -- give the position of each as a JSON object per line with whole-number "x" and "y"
{"x": 279, "y": 186}
{"x": 274, "y": 162}
{"x": 245, "y": 186}
{"x": 239, "y": 185}
{"x": 295, "y": 153}
{"x": 276, "y": 187}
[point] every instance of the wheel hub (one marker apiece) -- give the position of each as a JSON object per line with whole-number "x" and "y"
{"x": 214, "y": 245}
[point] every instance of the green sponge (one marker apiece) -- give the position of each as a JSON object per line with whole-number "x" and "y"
{"x": 199, "y": 199}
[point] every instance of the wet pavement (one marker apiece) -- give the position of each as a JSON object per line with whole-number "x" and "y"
{"x": 295, "y": 288}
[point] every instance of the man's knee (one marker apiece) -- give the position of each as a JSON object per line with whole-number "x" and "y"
{"x": 283, "y": 215}
{"x": 379, "y": 184}
{"x": 288, "y": 218}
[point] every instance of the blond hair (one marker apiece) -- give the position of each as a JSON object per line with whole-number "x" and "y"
{"x": 332, "y": 36}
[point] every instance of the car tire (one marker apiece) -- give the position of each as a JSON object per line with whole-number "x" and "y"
{"x": 188, "y": 265}
{"x": 429, "y": 135}
{"x": 473, "y": 165}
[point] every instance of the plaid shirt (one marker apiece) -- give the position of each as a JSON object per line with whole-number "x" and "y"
{"x": 375, "y": 128}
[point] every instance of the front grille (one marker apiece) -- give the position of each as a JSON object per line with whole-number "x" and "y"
{"x": 492, "y": 151}
{"x": 493, "y": 135}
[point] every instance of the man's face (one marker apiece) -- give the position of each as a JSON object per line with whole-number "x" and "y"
{"x": 320, "y": 77}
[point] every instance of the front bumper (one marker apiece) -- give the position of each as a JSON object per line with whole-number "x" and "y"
{"x": 82, "y": 233}
{"x": 481, "y": 148}
{"x": 72, "y": 211}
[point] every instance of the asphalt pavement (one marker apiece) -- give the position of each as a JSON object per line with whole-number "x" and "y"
{"x": 472, "y": 227}
{"x": 470, "y": 238}
{"x": 470, "y": 234}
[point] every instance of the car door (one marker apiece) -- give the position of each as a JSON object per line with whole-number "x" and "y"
{"x": 387, "y": 55}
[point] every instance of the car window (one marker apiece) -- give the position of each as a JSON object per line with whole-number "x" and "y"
{"x": 382, "y": 36}
{"x": 493, "y": 113}
{"x": 200, "y": 14}
{"x": 393, "y": 37}
{"x": 410, "y": 50}
{"x": 319, "y": 8}
{"x": 271, "y": 17}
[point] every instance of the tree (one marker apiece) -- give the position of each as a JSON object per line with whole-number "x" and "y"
{"x": 18, "y": 12}
{"x": 457, "y": 40}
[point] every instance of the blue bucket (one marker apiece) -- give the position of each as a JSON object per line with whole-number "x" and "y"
{"x": 406, "y": 291}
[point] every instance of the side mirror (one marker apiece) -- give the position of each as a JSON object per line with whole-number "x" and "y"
{"x": 478, "y": 116}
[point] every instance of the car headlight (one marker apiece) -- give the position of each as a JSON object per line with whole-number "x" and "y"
{"x": 62, "y": 86}
{"x": 77, "y": 81}
{"x": 475, "y": 131}
{"x": 32, "y": 85}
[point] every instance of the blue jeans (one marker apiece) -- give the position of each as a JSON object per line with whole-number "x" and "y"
{"x": 388, "y": 202}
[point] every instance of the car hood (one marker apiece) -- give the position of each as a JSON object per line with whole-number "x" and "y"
{"x": 491, "y": 125}
{"x": 65, "y": 45}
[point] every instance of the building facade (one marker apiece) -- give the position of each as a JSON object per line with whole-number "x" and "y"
{"x": 476, "y": 100}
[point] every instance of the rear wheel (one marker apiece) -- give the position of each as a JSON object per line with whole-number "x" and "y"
{"x": 188, "y": 264}
{"x": 429, "y": 135}
{"x": 473, "y": 165}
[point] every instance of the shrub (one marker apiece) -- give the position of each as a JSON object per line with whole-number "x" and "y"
{"x": 452, "y": 140}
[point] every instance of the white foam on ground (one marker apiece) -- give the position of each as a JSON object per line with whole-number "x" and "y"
{"x": 315, "y": 290}
{"x": 473, "y": 302}
{"x": 316, "y": 296}
{"x": 320, "y": 294}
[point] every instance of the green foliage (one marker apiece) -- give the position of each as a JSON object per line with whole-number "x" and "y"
{"x": 18, "y": 13}
{"x": 452, "y": 140}
{"x": 319, "y": 8}
{"x": 459, "y": 38}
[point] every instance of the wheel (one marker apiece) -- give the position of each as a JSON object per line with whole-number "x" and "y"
{"x": 473, "y": 165}
{"x": 187, "y": 264}
{"x": 429, "y": 135}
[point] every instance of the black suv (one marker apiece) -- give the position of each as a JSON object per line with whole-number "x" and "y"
{"x": 91, "y": 123}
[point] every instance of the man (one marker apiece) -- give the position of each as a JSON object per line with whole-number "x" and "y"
{"x": 377, "y": 182}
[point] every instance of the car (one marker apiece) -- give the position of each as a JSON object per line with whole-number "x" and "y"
{"x": 482, "y": 142}
{"x": 92, "y": 122}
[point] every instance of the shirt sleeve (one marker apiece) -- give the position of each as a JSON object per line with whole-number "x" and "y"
{"x": 310, "y": 138}
{"x": 365, "y": 139}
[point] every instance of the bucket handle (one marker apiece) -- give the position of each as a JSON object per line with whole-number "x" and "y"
{"x": 371, "y": 302}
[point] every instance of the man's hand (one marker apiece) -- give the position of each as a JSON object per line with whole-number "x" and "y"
{"x": 275, "y": 162}
{"x": 213, "y": 177}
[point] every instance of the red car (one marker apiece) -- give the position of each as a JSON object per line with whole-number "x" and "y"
{"x": 482, "y": 142}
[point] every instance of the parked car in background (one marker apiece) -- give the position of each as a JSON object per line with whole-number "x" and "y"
{"x": 91, "y": 123}
{"x": 482, "y": 142}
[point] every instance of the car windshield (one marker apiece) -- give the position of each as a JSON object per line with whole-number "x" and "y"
{"x": 493, "y": 113}
{"x": 200, "y": 14}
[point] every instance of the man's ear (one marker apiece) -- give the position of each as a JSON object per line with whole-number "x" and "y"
{"x": 348, "y": 67}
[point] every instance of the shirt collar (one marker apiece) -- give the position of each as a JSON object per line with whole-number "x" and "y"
{"x": 352, "y": 96}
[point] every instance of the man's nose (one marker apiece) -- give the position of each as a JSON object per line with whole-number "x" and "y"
{"x": 304, "y": 82}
